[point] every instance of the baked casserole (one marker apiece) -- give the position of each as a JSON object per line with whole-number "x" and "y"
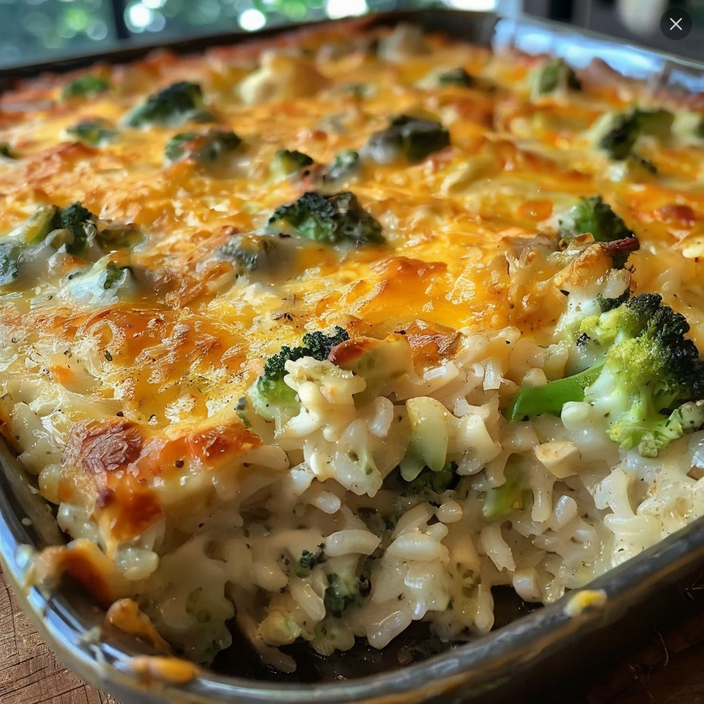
{"x": 336, "y": 332}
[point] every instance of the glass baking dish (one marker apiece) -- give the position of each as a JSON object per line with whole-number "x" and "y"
{"x": 530, "y": 645}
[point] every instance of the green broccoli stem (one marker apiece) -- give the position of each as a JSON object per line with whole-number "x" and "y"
{"x": 550, "y": 398}
{"x": 512, "y": 495}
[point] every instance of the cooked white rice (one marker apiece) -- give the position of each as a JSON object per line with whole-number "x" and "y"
{"x": 589, "y": 507}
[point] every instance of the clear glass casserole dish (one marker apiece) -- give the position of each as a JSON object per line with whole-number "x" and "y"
{"x": 72, "y": 626}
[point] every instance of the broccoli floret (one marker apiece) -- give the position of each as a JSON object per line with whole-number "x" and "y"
{"x": 427, "y": 486}
{"x": 345, "y": 165}
{"x": 554, "y": 75}
{"x": 688, "y": 418}
{"x": 247, "y": 252}
{"x": 340, "y": 594}
{"x": 94, "y": 132}
{"x": 16, "y": 247}
{"x": 621, "y": 136}
{"x": 177, "y": 146}
{"x": 307, "y": 562}
{"x": 592, "y": 215}
{"x": 456, "y": 77}
{"x": 271, "y": 397}
{"x": 171, "y": 106}
{"x": 85, "y": 86}
{"x": 310, "y": 559}
{"x": 626, "y": 321}
{"x": 607, "y": 304}
{"x": 287, "y": 163}
{"x": 319, "y": 344}
{"x": 461, "y": 78}
{"x": 76, "y": 223}
{"x": 512, "y": 495}
{"x": 346, "y": 588}
{"x": 411, "y": 138}
{"x": 79, "y": 221}
{"x": 7, "y": 151}
{"x": 595, "y": 216}
{"x": 430, "y": 484}
{"x": 102, "y": 284}
{"x": 648, "y": 373}
{"x": 207, "y": 150}
{"x": 331, "y": 219}
{"x": 626, "y": 127}
{"x": 650, "y": 370}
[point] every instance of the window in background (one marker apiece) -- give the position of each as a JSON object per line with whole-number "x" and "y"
{"x": 33, "y": 31}
{"x": 180, "y": 18}
{"x": 639, "y": 21}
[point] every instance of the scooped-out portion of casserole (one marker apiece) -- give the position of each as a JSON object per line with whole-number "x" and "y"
{"x": 339, "y": 331}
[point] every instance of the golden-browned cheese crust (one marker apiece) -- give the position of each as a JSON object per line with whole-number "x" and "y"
{"x": 151, "y": 384}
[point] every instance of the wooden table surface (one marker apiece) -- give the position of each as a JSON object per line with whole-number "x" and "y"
{"x": 29, "y": 671}
{"x": 667, "y": 668}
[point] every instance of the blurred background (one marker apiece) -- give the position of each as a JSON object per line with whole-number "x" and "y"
{"x": 41, "y": 30}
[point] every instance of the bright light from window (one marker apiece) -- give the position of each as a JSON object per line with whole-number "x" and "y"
{"x": 154, "y": 4}
{"x": 139, "y": 17}
{"x": 252, "y": 19}
{"x": 345, "y": 8}
{"x": 478, "y": 5}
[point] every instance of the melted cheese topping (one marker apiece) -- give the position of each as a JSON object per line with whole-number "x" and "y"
{"x": 128, "y": 404}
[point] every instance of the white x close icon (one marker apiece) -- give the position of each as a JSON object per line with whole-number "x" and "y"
{"x": 676, "y": 23}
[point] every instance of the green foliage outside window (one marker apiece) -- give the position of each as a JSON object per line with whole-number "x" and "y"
{"x": 33, "y": 31}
